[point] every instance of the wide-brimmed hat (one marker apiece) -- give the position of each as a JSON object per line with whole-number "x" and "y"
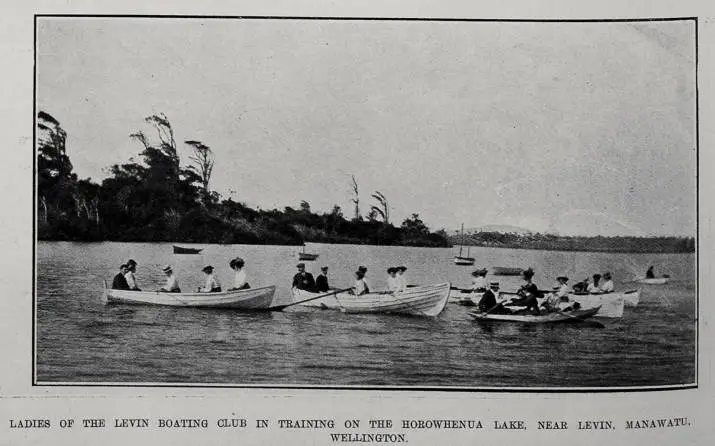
{"x": 391, "y": 270}
{"x": 360, "y": 272}
{"x": 402, "y": 268}
{"x": 528, "y": 273}
{"x": 167, "y": 269}
{"x": 208, "y": 269}
{"x": 362, "y": 268}
{"x": 606, "y": 276}
{"x": 323, "y": 268}
{"x": 123, "y": 265}
{"x": 596, "y": 276}
{"x": 300, "y": 265}
{"x": 131, "y": 262}
{"x": 564, "y": 278}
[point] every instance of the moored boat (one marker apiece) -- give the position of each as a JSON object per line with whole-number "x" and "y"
{"x": 307, "y": 256}
{"x": 463, "y": 260}
{"x": 184, "y": 250}
{"x": 547, "y": 318}
{"x": 506, "y": 271}
{"x": 250, "y": 299}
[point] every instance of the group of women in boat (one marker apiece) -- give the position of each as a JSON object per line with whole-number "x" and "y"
{"x": 304, "y": 280}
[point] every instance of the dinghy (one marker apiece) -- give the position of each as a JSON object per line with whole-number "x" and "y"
{"x": 544, "y": 318}
{"x": 183, "y": 250}
{"x": 654, "y": 281}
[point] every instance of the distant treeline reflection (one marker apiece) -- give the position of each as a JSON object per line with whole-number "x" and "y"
{"x": 577, "y": 243}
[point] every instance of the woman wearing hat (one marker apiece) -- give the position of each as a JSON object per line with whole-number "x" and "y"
{"x": 594, "y": 287}
{"x": 240, "y": 279}
{"x": 400, "y": 278}
{"x": 528, "y": 293}
{"x": 212, "y": 284}
{"x": 360, "y": 284}
{"x": 172, "y": 285}
{"x": 392, "y": 285}
{"x": 131, "y": 279}
{"x": 607, "y": 286}
{"x": 479, "y": 283}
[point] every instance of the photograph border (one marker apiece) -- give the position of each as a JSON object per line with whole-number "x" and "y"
{"x": 36, "y": 383}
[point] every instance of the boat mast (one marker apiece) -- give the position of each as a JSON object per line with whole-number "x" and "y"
{"x": 461, "y": 241}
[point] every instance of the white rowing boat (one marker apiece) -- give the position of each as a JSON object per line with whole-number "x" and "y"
{"x": 250, "y": 299}
{"x": 545, "y": 318}
{"x": 654, "y": 281}
{"x": 428, "y": 300}
{"x": 611, "y": 304}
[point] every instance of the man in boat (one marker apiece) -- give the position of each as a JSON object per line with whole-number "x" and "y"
{"x": 528, "y": 293}
{"x": 650, "y": 274}
{"x": 488, "y": 303}
{"x": 321, "y": 282}
{"x": 361, "y": 286}
{"x": 479, "y": 283}
{"x": 401, "y": 280}
{"x": 120, "y": 282}
{"x": 240, "y": 280}
{"x": 131, "y": 280}
{"x": 594, "y": 287}
{"x": 212, "y": 284}
{"x": 607, "y": 286}
{"x": 172, "y": 285}
{"x": 303, "y": 280}
{"x": 392, "y": 284}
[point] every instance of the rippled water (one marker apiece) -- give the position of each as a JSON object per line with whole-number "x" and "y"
{"x": 79, "y": 339}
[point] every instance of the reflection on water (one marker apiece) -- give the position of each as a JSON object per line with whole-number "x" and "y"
{"x": 82, "y": 340}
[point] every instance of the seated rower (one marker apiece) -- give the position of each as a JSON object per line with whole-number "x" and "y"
{"x": 582, "y": 286}
{"x": 321, "y": 282}
{"x": 303, "y": 280}
{"x": 559, "y": 299}
{"x": 360, "y": 284}
{"x": 594, "y": 287}
{"x": 488, "y": 303}
{"x": 212, "y": 284}
{"x": 607, "y": 286}
{"x": 528, "y": 293}
{"x": 172, "y": 285}
{"x": 240, "y": 280}
{"x": 479, "y": 283}
{"x": 401, "y": 280}
{"x": 650, "y": 274}
{"x": 120, "y": 282}
{"x": 392, "y": 283}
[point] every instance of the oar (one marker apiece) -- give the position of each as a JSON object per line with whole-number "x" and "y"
{"x": 579, "y": 319}
{"x": 282, "y": 307}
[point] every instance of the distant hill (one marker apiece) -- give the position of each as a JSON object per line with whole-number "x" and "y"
{"x": 504, "y": 229}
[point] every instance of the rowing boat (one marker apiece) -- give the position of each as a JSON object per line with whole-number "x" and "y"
{"x": 506, "y": 271}
{"x": 548, "y": 318}
{"x": 611, "y": 305}
{"x": 631, "y": 297}
{"x": 183, "y": 250}
{"x": 654, "y": 281}
{"x": 250, "y": 299}
{"x": 428, "y": 300}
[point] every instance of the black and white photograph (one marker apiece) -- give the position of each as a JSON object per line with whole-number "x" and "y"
{"x": 365, "y": 203}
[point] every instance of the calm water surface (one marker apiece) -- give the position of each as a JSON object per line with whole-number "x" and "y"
{"x": 79, "y": 339}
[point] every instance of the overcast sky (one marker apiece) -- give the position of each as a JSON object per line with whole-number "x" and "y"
{"x": 579, "y": 128}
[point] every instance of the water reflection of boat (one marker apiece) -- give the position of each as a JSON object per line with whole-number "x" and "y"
{"x": 250, "y": 299}
{"x": 183, "y": 250}
{"x": 506, "y": 271}
{"x": 548, "y": 318}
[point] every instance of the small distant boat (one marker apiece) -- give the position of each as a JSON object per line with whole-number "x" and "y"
{"x": 183, "y": 250}
{"x": 307, "y": 256}
{"x": 506, "y": 271}
{"x": 250, "y": 299}
{"x": 428, "y": 300}
{"x": 654, "y": 281}
{"x": 463, "y": 260}
{"x": 548, "y": 318}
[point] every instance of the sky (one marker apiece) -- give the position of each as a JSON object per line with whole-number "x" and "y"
{"x": 571, "y": 128}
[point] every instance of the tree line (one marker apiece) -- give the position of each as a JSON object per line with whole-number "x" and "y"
{"x": 155, "y": 198}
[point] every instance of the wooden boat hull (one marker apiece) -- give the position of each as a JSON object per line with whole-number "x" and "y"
{"x": 506, "y": 271}
{"x": 428, "y": 300}
{"x": 464, "y": 261}
{"x": 611, "y": 304}
{"x": 549, "y": 318}
{"x": 306, "y": 256}
{"x": 654, "y": 281}
{"x": 183, "y": 250}
{"x": 250, "y": 299}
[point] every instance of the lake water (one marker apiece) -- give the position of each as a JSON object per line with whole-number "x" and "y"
{"x": 79, "y": 339}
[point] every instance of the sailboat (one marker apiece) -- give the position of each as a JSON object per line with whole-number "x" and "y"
{"x": 463, "y": 260}
{"x": 307, "y": 256}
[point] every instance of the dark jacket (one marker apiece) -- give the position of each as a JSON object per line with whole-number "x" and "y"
{"x": 120, "y": 282}
{"x": 487, "y": 302}
{"x": 304, "y": 282}
{"x": 321, "y": 283}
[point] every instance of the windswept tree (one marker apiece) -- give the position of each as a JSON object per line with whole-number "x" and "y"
{"x": 203, "y": 159}
{"x": 382, "y": 210}
{"x": 356, "y": 199}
